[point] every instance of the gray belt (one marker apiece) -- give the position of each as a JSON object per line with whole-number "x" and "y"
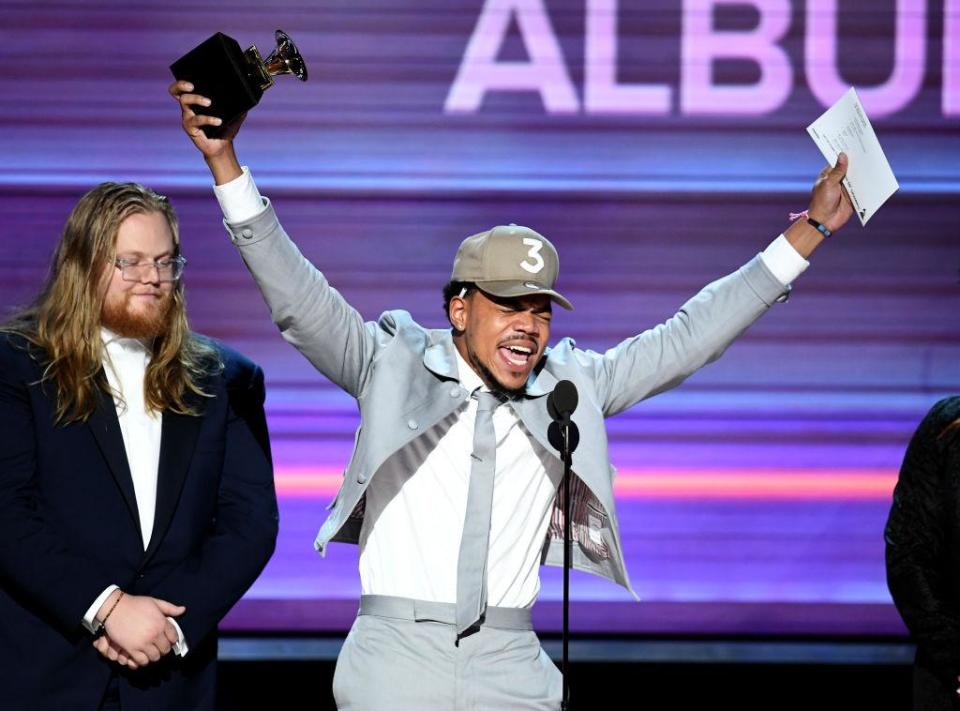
{"x": 405, "y": 608}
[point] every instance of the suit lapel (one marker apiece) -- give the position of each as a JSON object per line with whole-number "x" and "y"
{"x": 106, "y": 430}
{"x": 440, "y": 357}
{"x": 177, "y": 442}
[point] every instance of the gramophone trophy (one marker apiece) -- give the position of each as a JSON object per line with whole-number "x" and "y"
{"x": 233, "y": 79}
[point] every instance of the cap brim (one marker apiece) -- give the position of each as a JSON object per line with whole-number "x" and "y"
{"x": 513, "y": 289}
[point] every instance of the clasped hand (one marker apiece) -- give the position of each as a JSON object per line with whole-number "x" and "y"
{"x": 137, "y": 631}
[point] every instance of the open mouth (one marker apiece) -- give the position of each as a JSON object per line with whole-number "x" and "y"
{"x": 516, "y": 356}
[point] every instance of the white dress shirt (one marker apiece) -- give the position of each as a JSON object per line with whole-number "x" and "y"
{"x": 416, "y": 503}
{"x": 125, "y": 362}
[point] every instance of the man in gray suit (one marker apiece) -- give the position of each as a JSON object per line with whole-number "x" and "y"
{"x": 451, "y": 492}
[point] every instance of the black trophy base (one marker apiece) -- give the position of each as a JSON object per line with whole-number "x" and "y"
{"x": 218, "y": 70}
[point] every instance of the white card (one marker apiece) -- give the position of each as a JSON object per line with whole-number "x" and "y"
{"x": 845, "y": 127}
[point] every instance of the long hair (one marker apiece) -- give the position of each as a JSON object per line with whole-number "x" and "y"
{"x": 63, "y": 321}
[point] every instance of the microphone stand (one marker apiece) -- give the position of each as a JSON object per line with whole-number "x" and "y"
{"x": 564, "y": 437}
{"x": 566, "y": 454}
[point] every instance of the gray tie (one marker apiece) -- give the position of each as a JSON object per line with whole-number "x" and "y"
{"x": 472, "y": 564}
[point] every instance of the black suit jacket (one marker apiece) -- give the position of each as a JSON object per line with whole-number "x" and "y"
{"x": 923, "y": 554}
{"x": 69, "y": 527}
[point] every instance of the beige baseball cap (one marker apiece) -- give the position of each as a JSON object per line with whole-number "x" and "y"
{"x": 510, "y": 260}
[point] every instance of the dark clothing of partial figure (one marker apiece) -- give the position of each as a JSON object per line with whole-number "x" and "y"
{"x": 923, "y": 554}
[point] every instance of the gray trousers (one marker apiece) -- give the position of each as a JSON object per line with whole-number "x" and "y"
{"x": 403, "y": 654}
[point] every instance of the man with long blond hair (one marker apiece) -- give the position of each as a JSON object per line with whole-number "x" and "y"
{"x": 136, "y": 488}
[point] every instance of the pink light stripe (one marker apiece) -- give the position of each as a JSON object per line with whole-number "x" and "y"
{"x": 765, "y": 484}
{"x": 297, "y": 482}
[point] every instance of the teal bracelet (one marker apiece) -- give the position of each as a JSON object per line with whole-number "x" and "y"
{"x": 819, "y": 227}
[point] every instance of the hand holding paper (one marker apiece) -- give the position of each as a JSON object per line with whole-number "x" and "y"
{"x": 828, "y": 204}
{"x": 844, "y": 127}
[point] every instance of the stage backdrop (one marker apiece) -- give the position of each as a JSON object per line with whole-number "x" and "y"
{"x": 659, "y": 144}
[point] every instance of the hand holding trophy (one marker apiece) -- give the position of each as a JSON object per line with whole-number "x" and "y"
{"x": 217, "y": 84}
{"x": 233, "y": 80}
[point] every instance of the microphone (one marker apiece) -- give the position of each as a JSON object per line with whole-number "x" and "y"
{"x": 562, "y": 401}
{"x": 560, "y": 406}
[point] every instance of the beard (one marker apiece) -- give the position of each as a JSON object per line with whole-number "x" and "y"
{"x": 154, "y": 321}
{"x": 491, "y": 381}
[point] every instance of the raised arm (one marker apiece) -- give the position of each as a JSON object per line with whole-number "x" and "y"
{"x": 313, "y": 316}
{"x": 663, "y": 357}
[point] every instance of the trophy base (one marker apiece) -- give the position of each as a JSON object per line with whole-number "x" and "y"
{"x": 218, "y": 69}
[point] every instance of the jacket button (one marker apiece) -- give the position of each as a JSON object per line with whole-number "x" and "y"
{"x": 455, "y": 392}
{"x": 246, "y": 233}
{"x": 412, "y": 424}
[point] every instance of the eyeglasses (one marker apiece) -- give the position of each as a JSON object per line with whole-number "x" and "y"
{"x": 170, "y": 269}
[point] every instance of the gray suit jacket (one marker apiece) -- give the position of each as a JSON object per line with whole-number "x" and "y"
{"x": 405, "y": 380}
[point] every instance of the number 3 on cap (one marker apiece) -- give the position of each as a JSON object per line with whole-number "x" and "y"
{"x": 534, "y": 254}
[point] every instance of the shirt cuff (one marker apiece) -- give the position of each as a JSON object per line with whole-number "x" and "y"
{"x": 180, "y": 647}
{"x": 240, "y": 200}
{"x": 784, "y": 262}
{"x": 90, "y": 620}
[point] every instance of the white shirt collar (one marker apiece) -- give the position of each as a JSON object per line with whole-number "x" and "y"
{"x": 121, "y": 344}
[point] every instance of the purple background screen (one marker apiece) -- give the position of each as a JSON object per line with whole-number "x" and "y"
{"x": 659, "y": 145}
